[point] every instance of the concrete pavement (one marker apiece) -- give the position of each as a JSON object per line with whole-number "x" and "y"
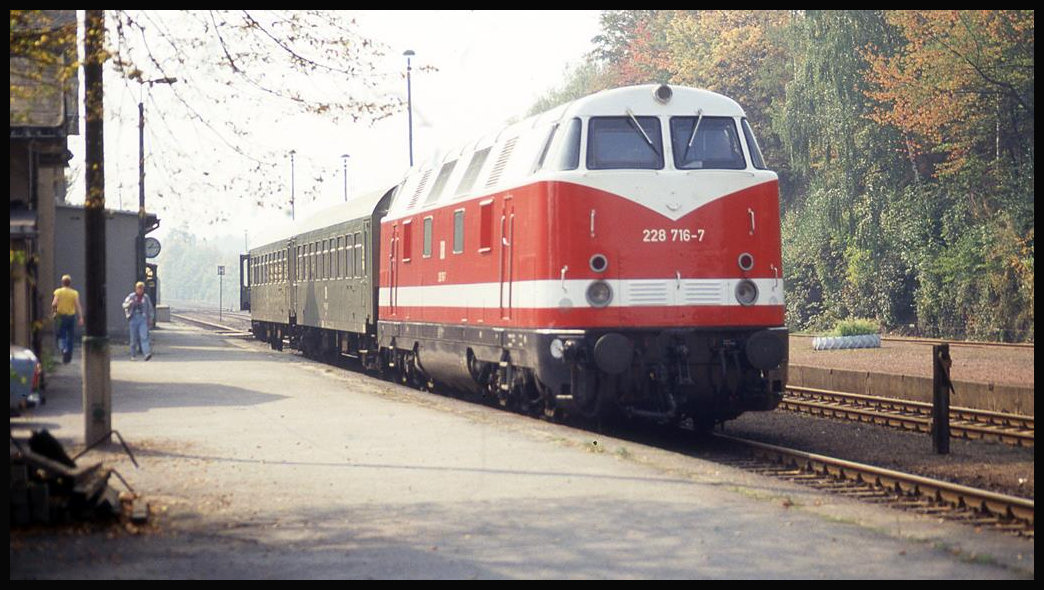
{"x": 260, "y": 464}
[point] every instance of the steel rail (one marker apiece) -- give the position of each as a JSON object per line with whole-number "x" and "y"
{"x": 902, "y": 484}
{"x": 914, "y": 415}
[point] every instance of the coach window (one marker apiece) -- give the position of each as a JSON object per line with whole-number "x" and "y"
{"x": 407, "y": 240}
{"x": 701, "y": 142}
{"x": 349, "y": 258}
{"x": 324, "y": 260}
{"x": 335, "y": 255}
{"x": 486, "y": 226}
{"x": 320, "y": 262}
{"x": 569, "y": 152}
{"x": 360, "y": 265}
{"x": 427, "y": 237}
{"x": 323, "y": 256}
{"x": 349, "y": 255}
{"x": 327, "y": 258}
{"x": 629, "y": 142}
{"x": 458, "y": 231}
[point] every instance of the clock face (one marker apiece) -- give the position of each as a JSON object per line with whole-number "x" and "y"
{"x": 152, "y": 247}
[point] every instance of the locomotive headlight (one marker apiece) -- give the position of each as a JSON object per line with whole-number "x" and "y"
{"x": 599, "y": 294}
{"x": 663, "y": 94}
{"x": 746, "y": 292}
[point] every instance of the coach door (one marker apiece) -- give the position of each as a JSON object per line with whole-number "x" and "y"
{"x": 244, "y": 282}
{"x": 507, "y": 258}
{"x": 293, "y": 256}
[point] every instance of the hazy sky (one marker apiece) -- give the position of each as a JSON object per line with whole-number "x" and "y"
{"x": 491, "y": 67}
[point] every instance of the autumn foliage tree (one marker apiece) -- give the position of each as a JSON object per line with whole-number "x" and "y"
{"x": 904, "y": 141}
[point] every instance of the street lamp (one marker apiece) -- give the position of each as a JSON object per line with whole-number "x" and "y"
{"x": 345, "y": 159}
{"x": 292, "y": 152}
{"x": 139, "y": 243}
{"x": 409, "y": 99}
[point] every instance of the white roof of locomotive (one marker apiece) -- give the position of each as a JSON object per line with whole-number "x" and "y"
{"x": 530, "y": 134}
{"x": 641, "y": 100}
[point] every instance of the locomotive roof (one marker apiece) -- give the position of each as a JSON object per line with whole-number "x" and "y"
{"x": 515, "y": 146}
{"x": 618, "y": 100}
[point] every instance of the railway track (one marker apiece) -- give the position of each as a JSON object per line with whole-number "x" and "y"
{"x": 977, "y": 507}
{"x": 224, "y": 324}
{"x": 981, "y": 508}
{"x": 966, "y": 423}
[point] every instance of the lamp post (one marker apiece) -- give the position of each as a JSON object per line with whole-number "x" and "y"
{"x": 345, "y": 159}
{"x": 292, "y": 152}
{"x": 409, "y": 99}
{"x": 139, "y": 243}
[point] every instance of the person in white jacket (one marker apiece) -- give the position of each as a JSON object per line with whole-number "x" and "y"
{"x": 138, "y": 308}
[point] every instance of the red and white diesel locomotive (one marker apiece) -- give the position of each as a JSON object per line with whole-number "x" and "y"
{"x": 617, "y": 254}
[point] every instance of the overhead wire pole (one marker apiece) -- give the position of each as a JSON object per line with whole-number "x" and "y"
{"x": 409, "y": 99}
{"x": 139, "y": 244}
{"x": 345, "y": 157}
{"x": 97, "y": 385}
{"x": 292, "y": 152}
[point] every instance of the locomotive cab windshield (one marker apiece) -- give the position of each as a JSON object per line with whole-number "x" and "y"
{"x": 635, "y": 142}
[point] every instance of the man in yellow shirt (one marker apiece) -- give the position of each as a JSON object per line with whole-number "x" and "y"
{"x": 66, "y": 308}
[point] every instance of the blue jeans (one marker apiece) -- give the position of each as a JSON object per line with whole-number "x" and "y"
{"x": 139, "y": 334}
{"x": 66, "y": 333}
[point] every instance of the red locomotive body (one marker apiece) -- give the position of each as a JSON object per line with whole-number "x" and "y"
{"x": 619, "y": 253}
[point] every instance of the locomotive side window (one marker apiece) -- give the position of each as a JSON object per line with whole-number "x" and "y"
{"x": 701, "y": 142}
{"x": 569, "y": 153}
{"x": 755, "y": 152}
{"x": 629, "y": 142}
{"x": 547, "y": 145}
{"x": 471, "y": 174}
{"x": 407, "y": 240}
{"x": 440, "y": 182}
{"x": 458, "y": 231}
{"x": 427, "y": 237}
{"x": 486, "y": 226}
